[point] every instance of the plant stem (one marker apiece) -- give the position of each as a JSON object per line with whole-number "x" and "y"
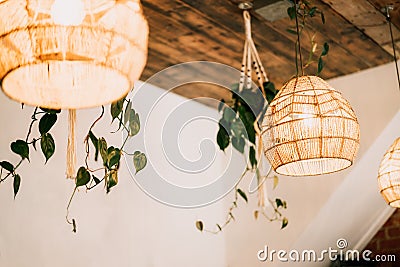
{"x": 299, "y": 44}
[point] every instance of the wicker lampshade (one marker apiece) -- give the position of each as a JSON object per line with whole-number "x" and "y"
{"x": 71, "y": 53}
{"x": 389, "y": 175}
{"x": 309, "y": 129}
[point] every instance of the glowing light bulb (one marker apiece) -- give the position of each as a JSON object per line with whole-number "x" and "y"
{"x": 68, "y": 12}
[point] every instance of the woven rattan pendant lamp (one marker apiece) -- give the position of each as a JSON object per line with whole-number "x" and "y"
{"x": 71, "y": 54}
{"x": 389, "y": 169}
{"x": 309, "y": 128}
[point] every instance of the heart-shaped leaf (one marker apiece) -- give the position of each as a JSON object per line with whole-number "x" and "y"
{"x": 7, "y": 166}
{"x": 134, "y": 123}
{"x": 199, "y": 226}
{"x": 139, "y": 161}
{"x": 46, "y": 122}
{"x": 113, "y": 157}
{"x": 21, "y": 148}
{"x": 112, "y": 179}
{"x": 116, "y": 108}
{"x": 48, "y": 146}
{"x": 82, "y": 177}
{"x": 16, "y": 184}
{"x": 285, "y": 222}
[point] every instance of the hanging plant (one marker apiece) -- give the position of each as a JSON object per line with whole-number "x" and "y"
{"x": 96, "y": 148}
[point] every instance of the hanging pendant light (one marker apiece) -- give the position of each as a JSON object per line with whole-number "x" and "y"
{"x": 309, "y": 128}
{"x": 389, "y": 175}
{"x": 389, "y": 169}
{"x": 71, "y": 53}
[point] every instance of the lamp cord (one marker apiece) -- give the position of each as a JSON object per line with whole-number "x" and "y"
{"x": 388, "y": 18}
{"x": 298, "y": 42}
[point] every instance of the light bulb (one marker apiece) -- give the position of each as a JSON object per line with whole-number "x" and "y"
{"x": 68, "y": 12}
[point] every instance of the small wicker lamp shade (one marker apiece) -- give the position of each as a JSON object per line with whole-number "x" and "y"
{"x": 71, "y": 53}
{"x": 389, "y": 175}
{"x": 309, "y": 129}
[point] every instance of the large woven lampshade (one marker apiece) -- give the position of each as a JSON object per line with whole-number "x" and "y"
{"x": 309, "y": 129}
{"x": 71, "y": 53}
{"x": 389, "y": 175}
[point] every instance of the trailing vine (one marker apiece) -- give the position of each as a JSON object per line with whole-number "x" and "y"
{"x": 86, "y": 177}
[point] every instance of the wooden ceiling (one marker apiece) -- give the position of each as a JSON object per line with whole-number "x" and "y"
{"x": 212, "y": 30}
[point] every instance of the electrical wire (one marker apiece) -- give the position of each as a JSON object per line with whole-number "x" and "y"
{"x": 388, "y": 18}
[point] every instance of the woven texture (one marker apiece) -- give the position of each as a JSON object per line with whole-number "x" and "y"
{"x": 310, "y": 129}
{"x": 50, "y": 63}
{"x": 389, "y": 175}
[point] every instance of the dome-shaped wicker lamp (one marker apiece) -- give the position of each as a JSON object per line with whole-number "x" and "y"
{"x": 389, "y": 175}
{"x": 71, "y": 53}
{"x": 389, "y": 169}
{"x": 309, "y": 129}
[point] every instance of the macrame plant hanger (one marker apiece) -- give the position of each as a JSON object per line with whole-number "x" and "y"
{"x": 71, "y": 146}
{"x": 251, "y": 60}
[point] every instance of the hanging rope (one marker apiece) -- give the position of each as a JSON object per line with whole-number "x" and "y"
{"x": 251, "y": 59}
{"x": 71, "y": 147}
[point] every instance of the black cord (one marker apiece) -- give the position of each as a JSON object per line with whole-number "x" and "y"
{"x": 393, "y": 45}
{"x": 298, "y": 41}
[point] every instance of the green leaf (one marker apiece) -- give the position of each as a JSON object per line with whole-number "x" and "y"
{"x": 127, "y": 112}
{"x": 285, "y": 222}
{"x": 242, "y": 194}
{"x": 221, "y": 105}
{"x": 322, "y": 17}
{"x": 102, "y": 146}
{"x": 139, "y": 161}
{"x": 51, "y": 111}
{"x": 134, "y": 123}
{"x": 7, "y": 166}
{"x": 82, "y": 177}
{"x": 46, "y": 122}
{"x": 279, "y": 203}
{"x": 96, "y": 180}
{"x": 248, "y": 119}
{"x": 16, "y": 184}
{"x": 112, "y": 179}
{"x": 312, "y": 11}
{"x": 21, "y": 148}
{"x": 48, "y": 146}
{"x": 229, "y": 115}
{"x": 95, "y": 142}
{"x": 113, "y": 157}
{"x": 291, "y": 31}
{"x": 200, "y": 226}
{"x": 276, "y": 181}
{"x": 238, "y": 143}
{"x": 252, "y": 157}
{"x": 116, "y": 108}
{"x": 222, "y": 138}
{"x": 325, "y": 49}
{"x": 291, "y": 11}
{"x": 270, "y": 91}
{"x": 321, "y": 65}
{"x": 238, "y": 128}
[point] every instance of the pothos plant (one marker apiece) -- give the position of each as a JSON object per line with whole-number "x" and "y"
{"x": 240, "y": 121}
{"x": 87, "y": 177}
